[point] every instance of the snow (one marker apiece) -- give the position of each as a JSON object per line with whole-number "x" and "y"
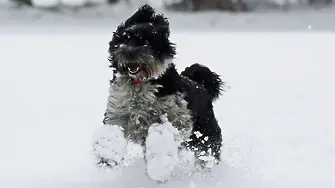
{"x": 109, "y": 146}
{"x": 162, "y": 150}
{"x": 277, "y": 113}
{"x": 111, "y": 150}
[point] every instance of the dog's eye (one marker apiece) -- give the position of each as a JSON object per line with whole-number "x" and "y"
{"x": 116, "y": 46}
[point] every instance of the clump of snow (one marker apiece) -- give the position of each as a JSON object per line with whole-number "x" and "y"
{"x": 109, "y": 145}
{"x": 163, "y": 156}
{"x": 161, "y": 150}
{"x": 198, "y": 134}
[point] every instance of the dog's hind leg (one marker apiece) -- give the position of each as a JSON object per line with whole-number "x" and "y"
{"x": 161, "y": 150}
{"x": 109, "y": 146}
{"x": 206, "y": 143}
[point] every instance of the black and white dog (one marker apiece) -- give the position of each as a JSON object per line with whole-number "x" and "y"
{"x": 151, "y": 104}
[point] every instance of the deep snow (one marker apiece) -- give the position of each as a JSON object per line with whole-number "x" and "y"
{"x": 277, "y": 114}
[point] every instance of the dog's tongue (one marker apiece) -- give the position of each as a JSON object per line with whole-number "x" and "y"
{"x": 137, "y": 81}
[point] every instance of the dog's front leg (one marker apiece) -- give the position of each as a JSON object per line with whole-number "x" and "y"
{"x": 109, "y": 146}
{"x": 161, "y": 150}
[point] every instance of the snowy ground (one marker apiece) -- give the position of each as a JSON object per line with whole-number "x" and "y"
{"x": 277, "y": 116}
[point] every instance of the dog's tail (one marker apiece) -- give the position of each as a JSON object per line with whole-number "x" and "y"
{"x": 204, "y": 76}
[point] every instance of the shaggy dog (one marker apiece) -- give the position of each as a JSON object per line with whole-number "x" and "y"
{"x": 151, "y": 104}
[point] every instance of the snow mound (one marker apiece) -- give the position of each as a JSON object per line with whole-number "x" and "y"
{"x": 110, "y": 145}
{"x": 161, "y": 150}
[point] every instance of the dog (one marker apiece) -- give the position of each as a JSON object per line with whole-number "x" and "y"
{"x": 151, "y": 104}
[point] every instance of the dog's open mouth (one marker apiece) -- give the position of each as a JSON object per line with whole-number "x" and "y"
{"x": 133, "y": 68}
{"x": 137, "y": 73}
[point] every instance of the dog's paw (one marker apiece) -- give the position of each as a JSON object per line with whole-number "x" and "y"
{"x": 161, "y": 151}
{"x": 109, "y": 146}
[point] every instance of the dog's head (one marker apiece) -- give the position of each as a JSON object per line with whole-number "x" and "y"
{"x": 140, "y": 48}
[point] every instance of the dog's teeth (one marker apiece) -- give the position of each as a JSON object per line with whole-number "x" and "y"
{"x": 133, "y": 71}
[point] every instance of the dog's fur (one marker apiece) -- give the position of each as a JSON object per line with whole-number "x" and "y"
{"x": 147, "y": 85}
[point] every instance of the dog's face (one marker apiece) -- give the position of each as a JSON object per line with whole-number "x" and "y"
{"x": 140, "y": 48}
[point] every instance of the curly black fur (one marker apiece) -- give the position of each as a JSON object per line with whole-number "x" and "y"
{"x": 199, "y": 85}
{"x": 199, "y": 98}
{"x": 205, "y": 77}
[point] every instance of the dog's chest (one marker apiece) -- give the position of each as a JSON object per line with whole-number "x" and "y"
{"x": 135, "y": 108}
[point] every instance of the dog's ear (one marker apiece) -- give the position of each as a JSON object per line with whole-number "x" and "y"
{"x": 162, "y": 24}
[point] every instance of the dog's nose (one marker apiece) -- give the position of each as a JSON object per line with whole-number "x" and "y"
{"x": 130, "y": 54}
